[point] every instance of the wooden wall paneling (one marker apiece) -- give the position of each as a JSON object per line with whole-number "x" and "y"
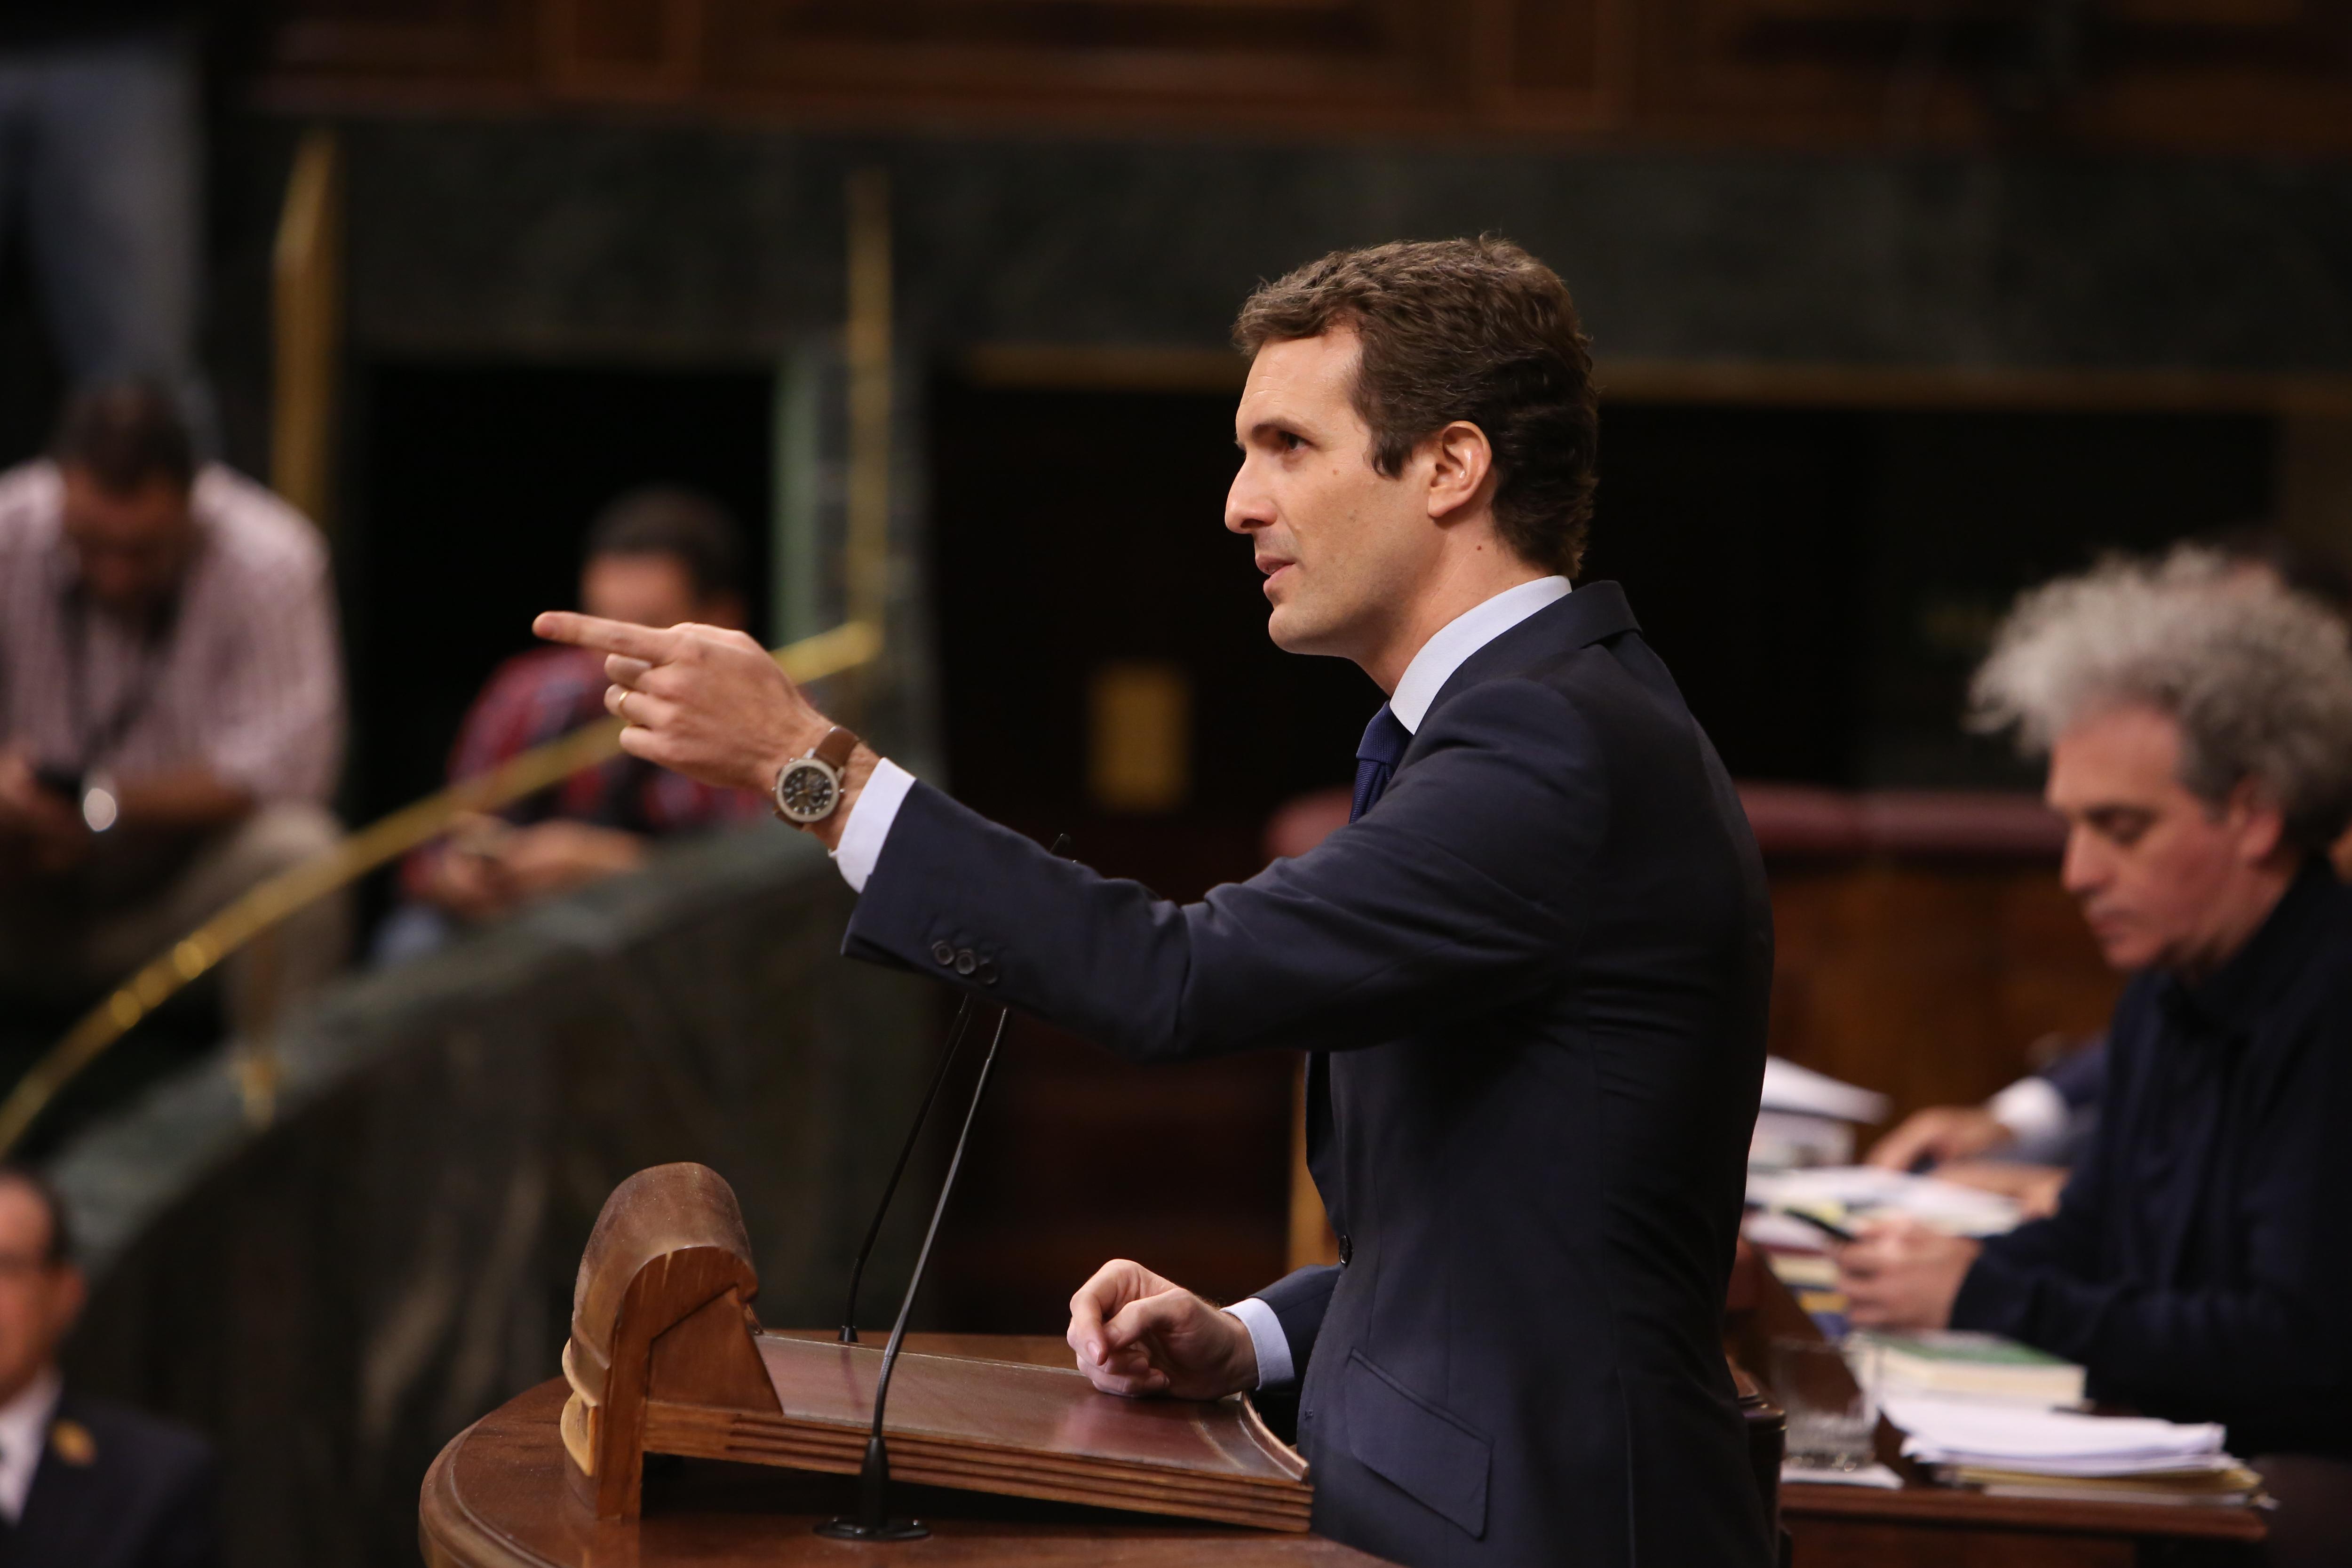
{"x": 1551, "y": 65}
{"x": 2207, "y": 74}
{"x": 625, "y": 51}
{"x": 1385, "y": 60}
{"x": 419, "y": 45}
{"x": 1929, "y": 983}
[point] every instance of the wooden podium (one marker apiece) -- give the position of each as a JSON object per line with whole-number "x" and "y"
{"x": 1006, "y": 1454}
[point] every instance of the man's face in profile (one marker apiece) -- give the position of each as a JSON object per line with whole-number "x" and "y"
{"x": 131, "y": 545}
{"x": 1343, "y": 546}
{"x": 38, "y": 1298}
{"x": 2159, "y": 872}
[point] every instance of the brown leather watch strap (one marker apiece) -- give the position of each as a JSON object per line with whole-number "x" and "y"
{"x": 835, "y": 750}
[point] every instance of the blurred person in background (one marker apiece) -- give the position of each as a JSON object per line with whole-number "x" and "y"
{"x": 657, "y": 557}
{"x": 84, "y": 1483}
{"x": 101, "y": 155}
{"x": 2022, "y": 1141}
{"x": 170, "y": 709}
{"x": 2198, "y": 725}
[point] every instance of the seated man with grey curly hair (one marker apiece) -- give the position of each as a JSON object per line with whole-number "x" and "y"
{"x": 2198, "y": 726}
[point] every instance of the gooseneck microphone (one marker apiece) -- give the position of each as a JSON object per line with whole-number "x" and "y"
{"x": 914, "y": 1135}
{"x": 874, "y": 1521}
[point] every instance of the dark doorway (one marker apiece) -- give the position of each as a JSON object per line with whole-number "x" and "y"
{"x": 471, "y": 487}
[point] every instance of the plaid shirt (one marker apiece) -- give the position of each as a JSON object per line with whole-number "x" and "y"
{"x": 246, "y": 681}
{"x": 543, "y": 695}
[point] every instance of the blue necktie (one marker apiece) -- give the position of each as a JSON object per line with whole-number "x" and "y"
{"x": 1385, "y": 739}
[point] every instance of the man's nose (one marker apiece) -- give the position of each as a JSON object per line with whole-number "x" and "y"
{"x": 1246, "y": 505}
{"x": 2084, "y": 869}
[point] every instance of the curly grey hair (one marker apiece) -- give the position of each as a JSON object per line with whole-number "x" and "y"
{"x": 2259, "y": 678}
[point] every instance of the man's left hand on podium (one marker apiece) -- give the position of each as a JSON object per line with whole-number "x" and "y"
{"x": 1137, "y": 1334}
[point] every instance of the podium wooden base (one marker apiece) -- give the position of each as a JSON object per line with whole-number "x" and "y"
{"x": 502, "y": 1495}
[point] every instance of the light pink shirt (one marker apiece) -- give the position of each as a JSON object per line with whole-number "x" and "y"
{"x": 247, "y": 684}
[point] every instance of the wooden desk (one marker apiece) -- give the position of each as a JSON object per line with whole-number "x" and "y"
{"x": 1846, "y": 1527}
{"x": 499, "y": 1497}
{"x": 1924, "y": 1526}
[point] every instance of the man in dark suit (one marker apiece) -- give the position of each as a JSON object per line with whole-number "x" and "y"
{"x": 1532, "y": 973}
{"x": 83, "y": 1483}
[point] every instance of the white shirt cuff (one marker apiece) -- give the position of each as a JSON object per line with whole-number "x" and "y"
{"x": 870, "y": 816}
{"x": 2033, "y": 1110}
{"x": 1266, "y": 1338}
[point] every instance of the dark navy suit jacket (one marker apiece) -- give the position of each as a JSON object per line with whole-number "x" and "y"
{"x": 1540, "y": 966}
{"x": 143, "y": 1493}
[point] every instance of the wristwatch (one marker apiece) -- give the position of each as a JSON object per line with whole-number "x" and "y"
{"x": 808, "y": 788}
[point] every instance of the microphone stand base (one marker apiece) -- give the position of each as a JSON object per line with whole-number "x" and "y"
{"x": 846, "y": 1528}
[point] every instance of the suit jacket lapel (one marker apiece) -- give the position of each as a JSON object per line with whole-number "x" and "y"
{"x": 63, "y": 1505}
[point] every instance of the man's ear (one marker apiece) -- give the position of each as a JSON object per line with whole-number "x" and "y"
{"x": 2256, "y": 820}
{"x": 1461, "y": 465}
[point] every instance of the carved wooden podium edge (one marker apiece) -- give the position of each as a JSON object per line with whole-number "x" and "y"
{"x": 663, "y": 1357}
{"x": 662, "y": 1309}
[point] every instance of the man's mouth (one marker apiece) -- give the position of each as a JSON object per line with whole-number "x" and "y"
{"x": 1273, "y": 566}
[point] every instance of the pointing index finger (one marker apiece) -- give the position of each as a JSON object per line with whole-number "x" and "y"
{"x": 654, "y": 645}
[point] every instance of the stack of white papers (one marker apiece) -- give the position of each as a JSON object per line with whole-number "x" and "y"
{"x": 1848, "y": 1195}
{"x": 1975, "y": 1434}
{"x": 1808, "y": 1118}
{"x": 1788, "y": 1087}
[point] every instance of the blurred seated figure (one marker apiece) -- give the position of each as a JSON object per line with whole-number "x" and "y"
{"x": 656, "y": 556}
{"x": 84, "y": 1483}
{"x": 170, "y": 709}
{"x": 2022, "y": 1142}
{"x": 2199, "y": 727}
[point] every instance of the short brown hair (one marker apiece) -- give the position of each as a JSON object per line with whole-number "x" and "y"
{"x": 1475, "y": 329}
{"x": 685, "y": 525}
{"x": 126, "y": 435}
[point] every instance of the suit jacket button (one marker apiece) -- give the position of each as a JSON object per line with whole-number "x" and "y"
{"x": 966, "y": 961}
{"x": 986, "y": 973}
{"x": 942, "y": 953}
{"x": 1347, "y": 1250}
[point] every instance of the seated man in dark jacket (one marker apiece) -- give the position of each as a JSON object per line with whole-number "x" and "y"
{"x": 2199, "y": 1265}
{"x": 83, "y": 1483}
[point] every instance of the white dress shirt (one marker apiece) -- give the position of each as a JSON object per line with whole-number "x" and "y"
{"x": 24, "y": 1433}
{"x": 876, "y": 808}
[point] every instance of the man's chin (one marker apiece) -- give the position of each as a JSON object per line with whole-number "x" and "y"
{"x": 1293, "y": 631}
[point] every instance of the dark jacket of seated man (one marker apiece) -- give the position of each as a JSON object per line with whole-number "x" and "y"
{"x": 1535, "y": 975}
{"x": 83, "y": 1483}
{"x": 2199, "y": 1265}
{"x": 116, "y": 1488}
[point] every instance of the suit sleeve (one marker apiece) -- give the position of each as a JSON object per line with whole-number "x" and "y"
{"x": 2080, "y": 1075}
{"x": 1456, "y": 893}
{"x": 186, "y": 1531}
{"x": 1299, "y": 1299}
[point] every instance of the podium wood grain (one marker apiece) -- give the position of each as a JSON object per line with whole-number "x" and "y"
{"x": 499, "y": 1497}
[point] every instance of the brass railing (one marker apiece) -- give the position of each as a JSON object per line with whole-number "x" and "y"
{"x": 309, "y": 272}
{"x": 261, "y": 908}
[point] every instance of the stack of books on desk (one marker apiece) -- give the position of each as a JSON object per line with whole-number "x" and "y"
{"x": 1970, "y": 1365}
{"x": 2014, "y": 1450}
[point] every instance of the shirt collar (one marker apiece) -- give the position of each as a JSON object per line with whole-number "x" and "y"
{"x": 1460, "y": 637}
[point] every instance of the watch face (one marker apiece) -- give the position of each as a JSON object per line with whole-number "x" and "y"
{"x": 807, "y": 790}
